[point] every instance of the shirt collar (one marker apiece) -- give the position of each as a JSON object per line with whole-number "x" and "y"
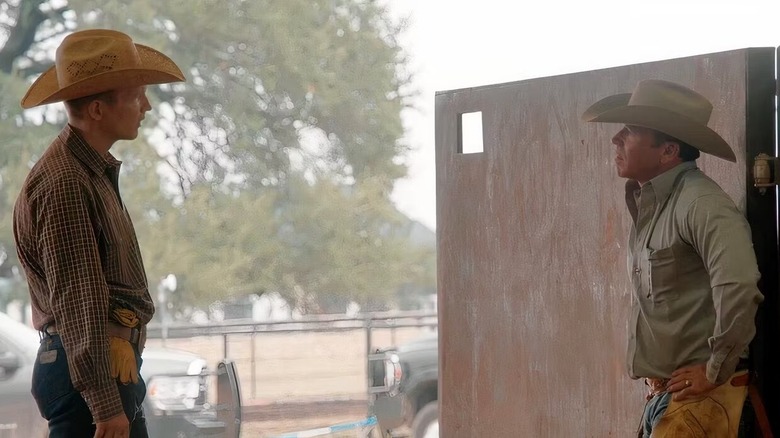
{"x": 663, "y": 184}
{"x": 84, "y": 152}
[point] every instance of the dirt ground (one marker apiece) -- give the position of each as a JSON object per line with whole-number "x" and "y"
{"x": 297, "y": 381}
{"x": 278, "y": 419}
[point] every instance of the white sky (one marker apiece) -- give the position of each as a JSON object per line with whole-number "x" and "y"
{"x": 459, "y": 43}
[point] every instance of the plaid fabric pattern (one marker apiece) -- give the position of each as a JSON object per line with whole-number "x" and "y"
{"x": 78, "y": 248}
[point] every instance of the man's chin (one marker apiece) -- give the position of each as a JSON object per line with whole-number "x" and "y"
{"x": 131, "y": 136}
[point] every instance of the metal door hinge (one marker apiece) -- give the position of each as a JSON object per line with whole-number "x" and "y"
{"x": 765, "y": 171}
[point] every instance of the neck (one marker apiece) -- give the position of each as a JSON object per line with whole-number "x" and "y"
{"x": 663, "y": 168}
{"x": 94, "y": 137}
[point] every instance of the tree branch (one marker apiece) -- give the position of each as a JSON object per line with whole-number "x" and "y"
{"x": 34, "y": 69}
{"x": 22, "y": 35}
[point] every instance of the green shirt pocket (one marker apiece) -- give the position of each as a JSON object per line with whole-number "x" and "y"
{"x": 663, "y": 274}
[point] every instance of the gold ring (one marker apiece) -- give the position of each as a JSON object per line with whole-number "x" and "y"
{"x": 687, "y": 383}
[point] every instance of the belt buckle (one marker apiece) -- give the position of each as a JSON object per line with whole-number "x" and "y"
{"x": 135, "y": 335}
{"x": 657, "y": 387}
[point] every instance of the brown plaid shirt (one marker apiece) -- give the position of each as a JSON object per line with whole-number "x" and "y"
{"x": 78, "y": 247}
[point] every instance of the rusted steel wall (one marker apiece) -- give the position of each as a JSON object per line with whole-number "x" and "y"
{"x": 533, "y": 286}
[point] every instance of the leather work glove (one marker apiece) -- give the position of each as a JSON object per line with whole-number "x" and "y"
{"x": 121, "y": 353}
{"x": 122, "y": 359}
{"x": 125, "y": 317}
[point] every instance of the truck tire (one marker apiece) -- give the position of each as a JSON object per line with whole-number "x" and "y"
{"x": 426, "y": 422}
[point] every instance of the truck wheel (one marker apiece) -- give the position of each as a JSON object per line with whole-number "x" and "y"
{"x": 426, "y": 422}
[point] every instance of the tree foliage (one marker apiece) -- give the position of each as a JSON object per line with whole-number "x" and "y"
{"x": 269, "y": 169}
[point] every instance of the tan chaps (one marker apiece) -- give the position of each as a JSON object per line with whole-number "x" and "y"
{"x": 715, "y": 415}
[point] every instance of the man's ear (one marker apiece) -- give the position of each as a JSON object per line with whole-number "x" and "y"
{"x": 671, "y": 151}
{"x": 95, "y": 109}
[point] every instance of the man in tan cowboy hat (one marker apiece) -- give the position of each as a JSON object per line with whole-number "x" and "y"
{"x": 691, "y": 262}
{"x": 76, "y": 242}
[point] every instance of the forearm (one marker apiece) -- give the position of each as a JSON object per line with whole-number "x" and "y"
{"x": 736, "y": 308}
{"x": 721, "y": 236}
{"x": 86, "y": 346}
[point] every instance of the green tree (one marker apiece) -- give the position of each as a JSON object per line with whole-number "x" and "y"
{"x": 21, "y": 148}
{"x": 356, "y": 233}
{"x": 270, "y": 168}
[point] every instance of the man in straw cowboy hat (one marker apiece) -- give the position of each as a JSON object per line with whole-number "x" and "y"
{"x": 76, "y": 241}
{"x": 692, "y": 266}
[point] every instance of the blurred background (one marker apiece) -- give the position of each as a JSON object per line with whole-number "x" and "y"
{"x": 284, "y": 196}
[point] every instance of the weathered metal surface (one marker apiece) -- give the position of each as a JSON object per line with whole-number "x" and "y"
{"x": 762, "y": 214}
{"x": 533, "y": 288}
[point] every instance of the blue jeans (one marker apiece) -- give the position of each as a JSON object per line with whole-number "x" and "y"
{"x": 65, "y": 409}
{"x": 654, "y": 410}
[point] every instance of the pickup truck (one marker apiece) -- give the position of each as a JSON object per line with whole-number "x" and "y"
{"x": 404, "y": 387}
{"x": 175, "y": 405}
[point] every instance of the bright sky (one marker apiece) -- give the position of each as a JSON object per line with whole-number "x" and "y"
{"x": 457, "y": 44}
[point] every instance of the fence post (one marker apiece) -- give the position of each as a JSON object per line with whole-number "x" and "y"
{"x": 224, "y": 346}
{"x": 254, "y": 386}
{"x": 367, "y": 323}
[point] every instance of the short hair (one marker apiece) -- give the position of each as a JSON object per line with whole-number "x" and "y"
{"x": 76, "y": 106}
{"x": 686, "y": 153}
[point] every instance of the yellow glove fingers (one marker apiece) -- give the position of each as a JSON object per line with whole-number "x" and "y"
{"x": 125, "y": 317}
{"x": 122, "y": 360}
{"x": 121, "y": 354}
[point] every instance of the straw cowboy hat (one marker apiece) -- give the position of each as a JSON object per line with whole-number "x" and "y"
{"x": 666, "y": 107}
{"x": 93, "y": 61}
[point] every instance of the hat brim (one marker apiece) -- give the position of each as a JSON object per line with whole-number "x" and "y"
{"x": 154, "y": 68}
{"x": 615, "y": 109}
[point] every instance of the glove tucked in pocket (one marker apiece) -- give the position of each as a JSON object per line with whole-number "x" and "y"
{"x": 125, "y": 317}
{"x": 122, "y": 359}
{"x": 121, "y": 352}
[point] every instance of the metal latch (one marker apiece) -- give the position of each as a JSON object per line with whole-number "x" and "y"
{"x": 765, "y": 171}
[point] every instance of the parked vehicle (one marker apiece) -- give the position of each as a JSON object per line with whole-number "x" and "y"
{"x": 405, "y": 385}
{"x": 175, "y": 405}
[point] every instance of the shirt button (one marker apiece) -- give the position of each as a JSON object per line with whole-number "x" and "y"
{"x": 637, "y": 270}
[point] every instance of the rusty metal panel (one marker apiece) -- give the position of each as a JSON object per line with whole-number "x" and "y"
{"x": 533, "y": 286}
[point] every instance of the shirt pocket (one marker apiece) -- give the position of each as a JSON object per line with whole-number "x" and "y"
{"x": 662, "y": 265}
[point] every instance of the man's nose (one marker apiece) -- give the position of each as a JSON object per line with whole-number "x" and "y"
{"x": 146, "y": 105}
{"x": 617, "y": 139}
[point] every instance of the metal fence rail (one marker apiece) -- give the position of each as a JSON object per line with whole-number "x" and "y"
{"x": 388, "y": 320}
{"x": 368, "y": 323}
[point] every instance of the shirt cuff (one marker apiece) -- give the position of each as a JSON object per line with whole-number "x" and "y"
{"x": 720, "y": 369}
{"x": 103, "y": 401}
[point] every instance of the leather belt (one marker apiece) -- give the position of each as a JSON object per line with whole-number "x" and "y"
{"x": 133, "y": 335}
{"x": 656, "y": 386}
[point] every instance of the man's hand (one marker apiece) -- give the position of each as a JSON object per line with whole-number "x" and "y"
{"x": 115, "y": 427}
{"x": 688, "y": 382}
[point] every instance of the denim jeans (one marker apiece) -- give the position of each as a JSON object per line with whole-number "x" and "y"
{"x": 65, "y": 409}
{"x": 654, "y": 410}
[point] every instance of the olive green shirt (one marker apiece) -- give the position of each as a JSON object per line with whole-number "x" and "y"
{"x": 694, "y": 275}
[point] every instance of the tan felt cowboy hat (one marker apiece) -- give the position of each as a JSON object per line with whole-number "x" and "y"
{"x": 666, "y": 107}
{"x": 93, "y": 61}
